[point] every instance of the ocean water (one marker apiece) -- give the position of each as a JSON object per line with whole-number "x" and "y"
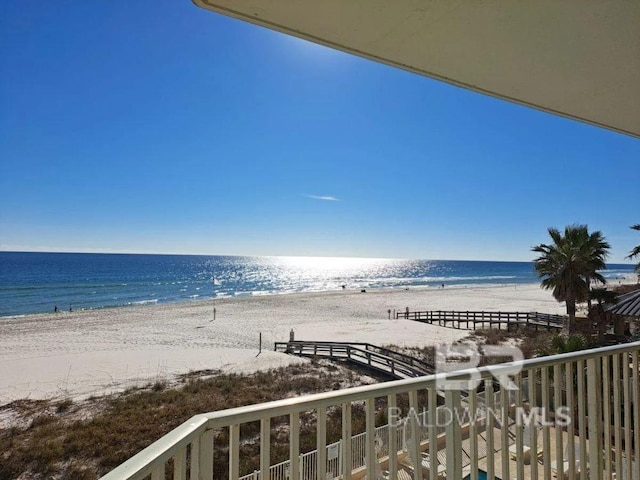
{"x": 36, "y": 282}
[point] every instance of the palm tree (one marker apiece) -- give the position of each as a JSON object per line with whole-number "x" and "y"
{"x": 597, "y": 314}
{"x": 636, "y": 250}
{"x": 570, "y": 264}
{"x": 571, "y": 343}
{"x": 597, "y": 248}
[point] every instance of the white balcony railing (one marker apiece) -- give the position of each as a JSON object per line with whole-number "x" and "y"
{"x": 575, "y": 415}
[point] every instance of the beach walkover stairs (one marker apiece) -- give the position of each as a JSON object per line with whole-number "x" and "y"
{"x": 474, "y": 320}
{"x": 384, "y": 360}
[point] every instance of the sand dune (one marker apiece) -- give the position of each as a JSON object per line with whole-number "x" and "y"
{"x": 100, "y": 351}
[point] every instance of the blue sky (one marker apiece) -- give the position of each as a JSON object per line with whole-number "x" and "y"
{"x": 160, "y": 127}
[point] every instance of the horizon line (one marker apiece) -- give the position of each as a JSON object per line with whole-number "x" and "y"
{"x": 273, "y": 256}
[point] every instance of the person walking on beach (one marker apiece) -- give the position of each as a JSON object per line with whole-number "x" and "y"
{"x": 55, "y": 309}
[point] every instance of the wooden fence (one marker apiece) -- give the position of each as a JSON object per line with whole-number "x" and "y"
{"x": 471, "y": 320}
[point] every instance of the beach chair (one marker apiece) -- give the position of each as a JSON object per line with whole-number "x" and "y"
{"x": 400, "y": 475}
{"x": 561, "y": 471}
{"x": 425, "y": 467}
{"x": 526, "y": 446}
{"x": 379, "y": 474}
{"x": 424, "y": 463}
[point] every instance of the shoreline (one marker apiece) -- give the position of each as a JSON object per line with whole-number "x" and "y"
{"x": 251, "y": 295}
{"x": 630, "y": 278}
{"x": 94, "y": 352}
{"x": 210, "y": 303}
{"x": 259, "y": 294}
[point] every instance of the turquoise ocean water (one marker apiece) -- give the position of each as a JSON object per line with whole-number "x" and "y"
{"x": 36, "y": 282}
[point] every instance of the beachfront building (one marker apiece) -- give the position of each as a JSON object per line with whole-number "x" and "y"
{"x": 575, "y": 415}
{"x": 626, "y": 313}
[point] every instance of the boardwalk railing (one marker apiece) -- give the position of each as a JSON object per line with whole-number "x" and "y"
{"x": 308, "y": 461}
{"x": 598, "y": 432}
{"x": 472, "y": 320}
{"x": 396, "y": 364}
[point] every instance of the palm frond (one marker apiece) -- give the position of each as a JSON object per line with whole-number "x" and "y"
{"x": 569, "y": 264}
{"x": 635, "y": 252}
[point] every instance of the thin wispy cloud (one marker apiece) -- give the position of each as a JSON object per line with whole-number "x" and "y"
{"x": 325, "y": 198}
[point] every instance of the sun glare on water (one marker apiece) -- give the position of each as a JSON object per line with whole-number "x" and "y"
{"x": 332, "y": 264}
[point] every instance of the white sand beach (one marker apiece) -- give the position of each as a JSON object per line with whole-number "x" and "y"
{"x": 101, "y": 351}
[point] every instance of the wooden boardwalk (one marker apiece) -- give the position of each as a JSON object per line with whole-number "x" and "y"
{"x": 474, "y": 320}
{"x": 395, "y": 364}
{"x": 380, "y": 359}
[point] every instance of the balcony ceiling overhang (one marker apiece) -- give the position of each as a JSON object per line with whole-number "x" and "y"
{"x": 575, "y": 58}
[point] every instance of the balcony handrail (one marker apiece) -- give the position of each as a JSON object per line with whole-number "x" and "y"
{"x": 312, "y": 401}
{"x": 161, "y": 450}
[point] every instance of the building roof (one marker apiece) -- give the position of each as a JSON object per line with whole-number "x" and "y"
{"x": 575, "y": 58}
{"x": 627, "y": 305}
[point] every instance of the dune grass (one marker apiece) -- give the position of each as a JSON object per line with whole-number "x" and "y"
{"x": 84, "y": 440}
{"x": 64, "y": 439}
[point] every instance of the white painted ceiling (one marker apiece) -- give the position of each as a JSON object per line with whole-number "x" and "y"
{"x": 575, "y": 58}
